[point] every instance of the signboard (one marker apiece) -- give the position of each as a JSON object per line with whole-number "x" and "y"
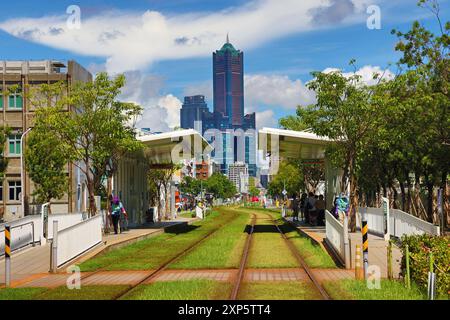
{"x": 386, "y": 218}
{"x": 284, "y": 192}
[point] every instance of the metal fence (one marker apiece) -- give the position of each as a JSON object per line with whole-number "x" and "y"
{"x": 71, "y": 242}
{"x": 335, "y": 235}
{"x": 400, "y": 223}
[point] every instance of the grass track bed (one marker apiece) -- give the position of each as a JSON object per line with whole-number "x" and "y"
{"x": 357, "y": 290}
{"x": 151, "y": 253}
{"x": 221, "y": 251}
{"x": 278, "y": 290}
{"x": 181, "y": 290}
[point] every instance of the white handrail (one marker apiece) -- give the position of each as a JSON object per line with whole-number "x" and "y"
{"x": 335, "y": 234}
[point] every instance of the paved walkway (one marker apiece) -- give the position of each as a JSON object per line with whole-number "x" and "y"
{"x": 34, "y": 262}
{"x": 224, "y": 275}
{"x": 377, "y": 248}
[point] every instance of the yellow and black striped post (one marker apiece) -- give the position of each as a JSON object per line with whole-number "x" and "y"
{"x": 7, "y": 255}
{"x": 365, "y": 241}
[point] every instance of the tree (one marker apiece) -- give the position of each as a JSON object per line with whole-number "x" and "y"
{"x": 289, "y": 177}
{"x": 220, "y": 186}
{"x": 4, "y": 133}
{"x": 46, "y": 164}
{"x": 97, "y": 131}
{"x": 253, "y": 191}
{"x": 159, "y": 185}
{"x": 190, "y": 186}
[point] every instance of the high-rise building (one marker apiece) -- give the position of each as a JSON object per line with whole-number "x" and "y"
{"x": 238, "y": 174}
{"x": 17, "y": 112}
{"x": 228, "y": 115}
{"x": 193, "y": 111}
{"x": 228, "y": 81}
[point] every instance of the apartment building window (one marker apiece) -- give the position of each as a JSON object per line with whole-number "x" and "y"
{"x": 14, "y": 144}
{"x": 1, "y": 99}
{"x": 15, "y": 100}
{"x": 15, "y": 188}
{"x": 1, "y": 192}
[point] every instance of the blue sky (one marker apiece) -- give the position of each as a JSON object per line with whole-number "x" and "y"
{"x": 279, "y": 53}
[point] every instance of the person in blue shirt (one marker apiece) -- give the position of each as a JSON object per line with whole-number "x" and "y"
{"x": 116, "y": 212}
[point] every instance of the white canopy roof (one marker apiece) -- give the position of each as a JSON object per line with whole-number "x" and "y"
{"x": 160, "y": 146}
{"x": 292, "y": 144}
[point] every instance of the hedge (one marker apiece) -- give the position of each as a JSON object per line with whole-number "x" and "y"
{"x": 420, "y": 247}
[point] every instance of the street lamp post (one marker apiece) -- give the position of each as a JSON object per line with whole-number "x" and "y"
{"x": 22, "y": 192}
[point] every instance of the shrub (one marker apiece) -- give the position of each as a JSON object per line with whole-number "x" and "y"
{"x": 420, "y": 247}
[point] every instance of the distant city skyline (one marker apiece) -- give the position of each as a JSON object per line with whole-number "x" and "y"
{"x": 167, "y": 55}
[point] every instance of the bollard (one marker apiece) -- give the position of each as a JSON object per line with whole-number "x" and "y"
{"x": 431, "y": 279}
{"x": 365, "y": 241}
{"x": 407, "y": 279}
{"x": 54, "y": 266}
{"x": 389, "y": 261}
{"x": 8, "y": 255}
{"x": 358, "y": 270}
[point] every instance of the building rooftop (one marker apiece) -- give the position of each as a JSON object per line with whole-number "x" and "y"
{"x": 32, "y": 67}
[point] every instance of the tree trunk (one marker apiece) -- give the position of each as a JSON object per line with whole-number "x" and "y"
{"x": 353, "y": 203}
{"x": 402, "y": 190}
{"x": 430, "y": 212}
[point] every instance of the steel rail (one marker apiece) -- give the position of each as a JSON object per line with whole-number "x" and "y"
{"x": 302, "y": 262}
{"x": 163, "y": 266}
{"x": 244, "y": 259}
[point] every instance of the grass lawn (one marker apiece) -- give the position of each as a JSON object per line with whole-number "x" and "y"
{"x": 278, "y": 290}
{"x": 357, "y": 290}
{"x": 151, "y": 253}
{"x": 268, "y": 249}
{"x": 85, "y": 293}
{"x": 20, "y": 293}
{"x": 311, "y": 252}
{"x": 181, "y": 290}
{"x": 224, "y": 250}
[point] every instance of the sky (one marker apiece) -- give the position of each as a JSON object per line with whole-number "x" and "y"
{"x": 165, "y": 47}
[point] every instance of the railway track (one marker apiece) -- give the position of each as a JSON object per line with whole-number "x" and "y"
{"x": 292, "y": 249}
{"x": 164, "y": 266}
{"x": 244, "y": 258}
{"x": 302, "y": 262}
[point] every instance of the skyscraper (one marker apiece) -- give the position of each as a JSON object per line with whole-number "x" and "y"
{"x": 228, "y": 77}
{"x": 237, "y": 129}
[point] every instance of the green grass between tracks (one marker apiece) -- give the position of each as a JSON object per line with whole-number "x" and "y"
{"x": 62, "y": 293}
{"x": 357, "y": 290}
{"x": 181, "y": 290}
{"x": 223, "y": 250}
{"x": 313, "y": 254}
{"x": 20, "y": 293}
{"x": 278, "y": 290}
{"x": 268, "y": 249}
{"x": 151, "y": 253}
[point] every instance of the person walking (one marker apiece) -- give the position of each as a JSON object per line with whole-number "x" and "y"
{"x": 295, "y": 207}
{"x": 116, "y": 212}
{"x": 320, "y": 207}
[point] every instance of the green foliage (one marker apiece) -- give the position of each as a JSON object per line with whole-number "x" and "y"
{"x": 290, "y": 176}
{"x": 46, "y": 163}
{"x": 96, "y": 131}
{"x": 420, "y": 247}
{"x": 220, "y": 186}
{"x": 4, "y": 132}
{"x": 253, "y": 191}
{"x": 190, "y": 186}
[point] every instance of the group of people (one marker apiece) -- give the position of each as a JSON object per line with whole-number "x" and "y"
{"x": 311, "y": 207}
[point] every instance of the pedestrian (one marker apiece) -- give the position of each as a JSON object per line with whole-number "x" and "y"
{"x": 116, "y": 212}
{"x": 320, "y": 209}
{"x": 310, "y": 208}
{"x": 302, "y": 205}
{"x": 295, "y": 207}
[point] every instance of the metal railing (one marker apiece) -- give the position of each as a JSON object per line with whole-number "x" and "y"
{"x": 400, "y": 223}
{"x": 335, "y": 235}
{"x": 19, "y": 239}
{"x": 71, "y": 242}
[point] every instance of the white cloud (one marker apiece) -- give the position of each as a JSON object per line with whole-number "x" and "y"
{"x": 161, "y": 111}
{"x": 276, "y": 90}
{"x": 367, "y": 73}
{"x": 133, "y": 40}
{"x": 266, "y": 119}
